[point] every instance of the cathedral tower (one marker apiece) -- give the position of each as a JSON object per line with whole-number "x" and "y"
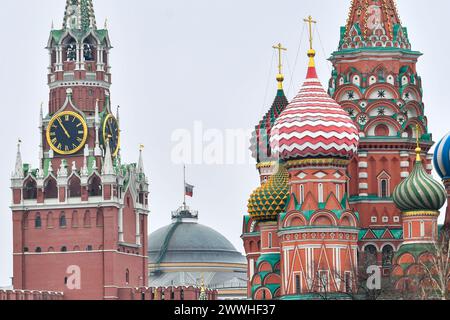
{"x": 80, "y": 217}
{"x": 375, "y": 80}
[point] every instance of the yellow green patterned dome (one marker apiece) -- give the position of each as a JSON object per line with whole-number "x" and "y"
{"x": 269, "y": 200}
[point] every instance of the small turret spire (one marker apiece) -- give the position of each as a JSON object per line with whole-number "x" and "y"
{"x": 280, "y": 76}
{"x": 108, "y": 167}
{"x": 18, "y": 170}
{"x": 140, "y": 167}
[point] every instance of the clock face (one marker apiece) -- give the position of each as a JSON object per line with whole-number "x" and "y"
{"x": 67, "y": 133}
{"x": 111, "y": 131}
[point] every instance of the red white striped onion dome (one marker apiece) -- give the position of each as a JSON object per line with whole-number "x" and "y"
{"x": 314, "y": 125}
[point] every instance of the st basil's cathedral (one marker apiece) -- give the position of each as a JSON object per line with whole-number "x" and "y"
{"x": 346, "y": 183}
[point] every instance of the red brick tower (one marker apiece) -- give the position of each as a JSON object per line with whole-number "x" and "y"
{"x": 80, "y": 218}
{"x": 376, "y": 82}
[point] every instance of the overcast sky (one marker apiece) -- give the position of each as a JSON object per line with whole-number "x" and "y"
{"x": 176, "y": 62}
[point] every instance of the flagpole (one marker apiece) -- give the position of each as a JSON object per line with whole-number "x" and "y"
{"x": 184, "y": 186}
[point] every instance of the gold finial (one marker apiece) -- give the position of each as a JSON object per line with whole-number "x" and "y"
{"x": 310, "y": 22}
{"x": 418, "y": 149}
{"x": 280, "y": 76}
{"x": 141, "y": 147}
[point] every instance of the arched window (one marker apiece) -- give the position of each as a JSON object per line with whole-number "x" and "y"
{"x": 89, "y": 248}
{"x": 30, "y": 190}
{"x": 127, "y": 276}
{"x": 38, "y": 221}
{"x": 320, "y": 193}
{"x": 26, "y": 249}
{"x": 90, "y": 49}
{"x": 38, "y": 250}
{"x": 371, "y": 255}
{"x": 388, "y": 255}
{"x": 87, "y": 219}
{"x": 99, "y": 219}
{"x": 74, "y": 219}
{"x": 51, "y": 189}
{"x": 62, "y": 220}
{"x": 64, "y": 249}
{"x": 50, "y": 220}
{"x": 74, "y": 187}
{"x": 95, "y": 187}
{"x": 70, "y": 49}
{"x": 384, "y": 185}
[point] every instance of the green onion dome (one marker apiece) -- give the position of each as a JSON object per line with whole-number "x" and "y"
{"x": 269, "y": 200}
{"x": 419, "y": 192}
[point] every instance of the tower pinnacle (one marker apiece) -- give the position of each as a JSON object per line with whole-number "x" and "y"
{"x": 140, "y": 168}
{"x": 79, "y": 15}
{"x": 18, "y": 169}
{"x": 374, "y": 23}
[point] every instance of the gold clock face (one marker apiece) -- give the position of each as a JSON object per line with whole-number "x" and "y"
{"x": 111, "y": 132}
{"x": 67, "y": 133}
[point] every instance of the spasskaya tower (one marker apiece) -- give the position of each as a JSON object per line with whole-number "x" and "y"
{"x": 80, "y": 216}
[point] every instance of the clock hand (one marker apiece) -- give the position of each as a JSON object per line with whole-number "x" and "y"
{"x": 64, "y": 128}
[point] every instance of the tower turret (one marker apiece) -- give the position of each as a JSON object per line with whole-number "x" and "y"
{"x": 81, "y": 207}
{"x": 420, "y": 198}
{"x": 375, "y": 81}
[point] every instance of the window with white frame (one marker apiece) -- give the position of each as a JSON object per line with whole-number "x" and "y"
{"x": 384, "y": 185}
{"x": 422, "y": 228}
{"x": 396, "y": 219}
{"x": 297, "y": 283}
{"x": 374, "y": 219}
{"x": 385, "y": 219}
{"x": 338, "y": 192}
{"x": 320, "y": 192}
{"x": 302, "y": 193}
{"x": 410, "y": 229}
{"x": 270, "y": 240}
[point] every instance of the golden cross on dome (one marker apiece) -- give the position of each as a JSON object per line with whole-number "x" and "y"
{"x": 310, "y": 22}
{"x": 280, "y": 48}
{"x": 141, "y": 147}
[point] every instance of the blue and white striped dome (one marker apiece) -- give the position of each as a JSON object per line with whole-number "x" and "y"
{"x": 442, "y": 158}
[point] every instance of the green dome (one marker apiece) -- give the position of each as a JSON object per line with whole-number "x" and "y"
{"x": 419, "y": 192}
{"x": 269, "y": 200}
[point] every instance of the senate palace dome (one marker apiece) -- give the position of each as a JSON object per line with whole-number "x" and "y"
{"x": 186, "y": 253}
